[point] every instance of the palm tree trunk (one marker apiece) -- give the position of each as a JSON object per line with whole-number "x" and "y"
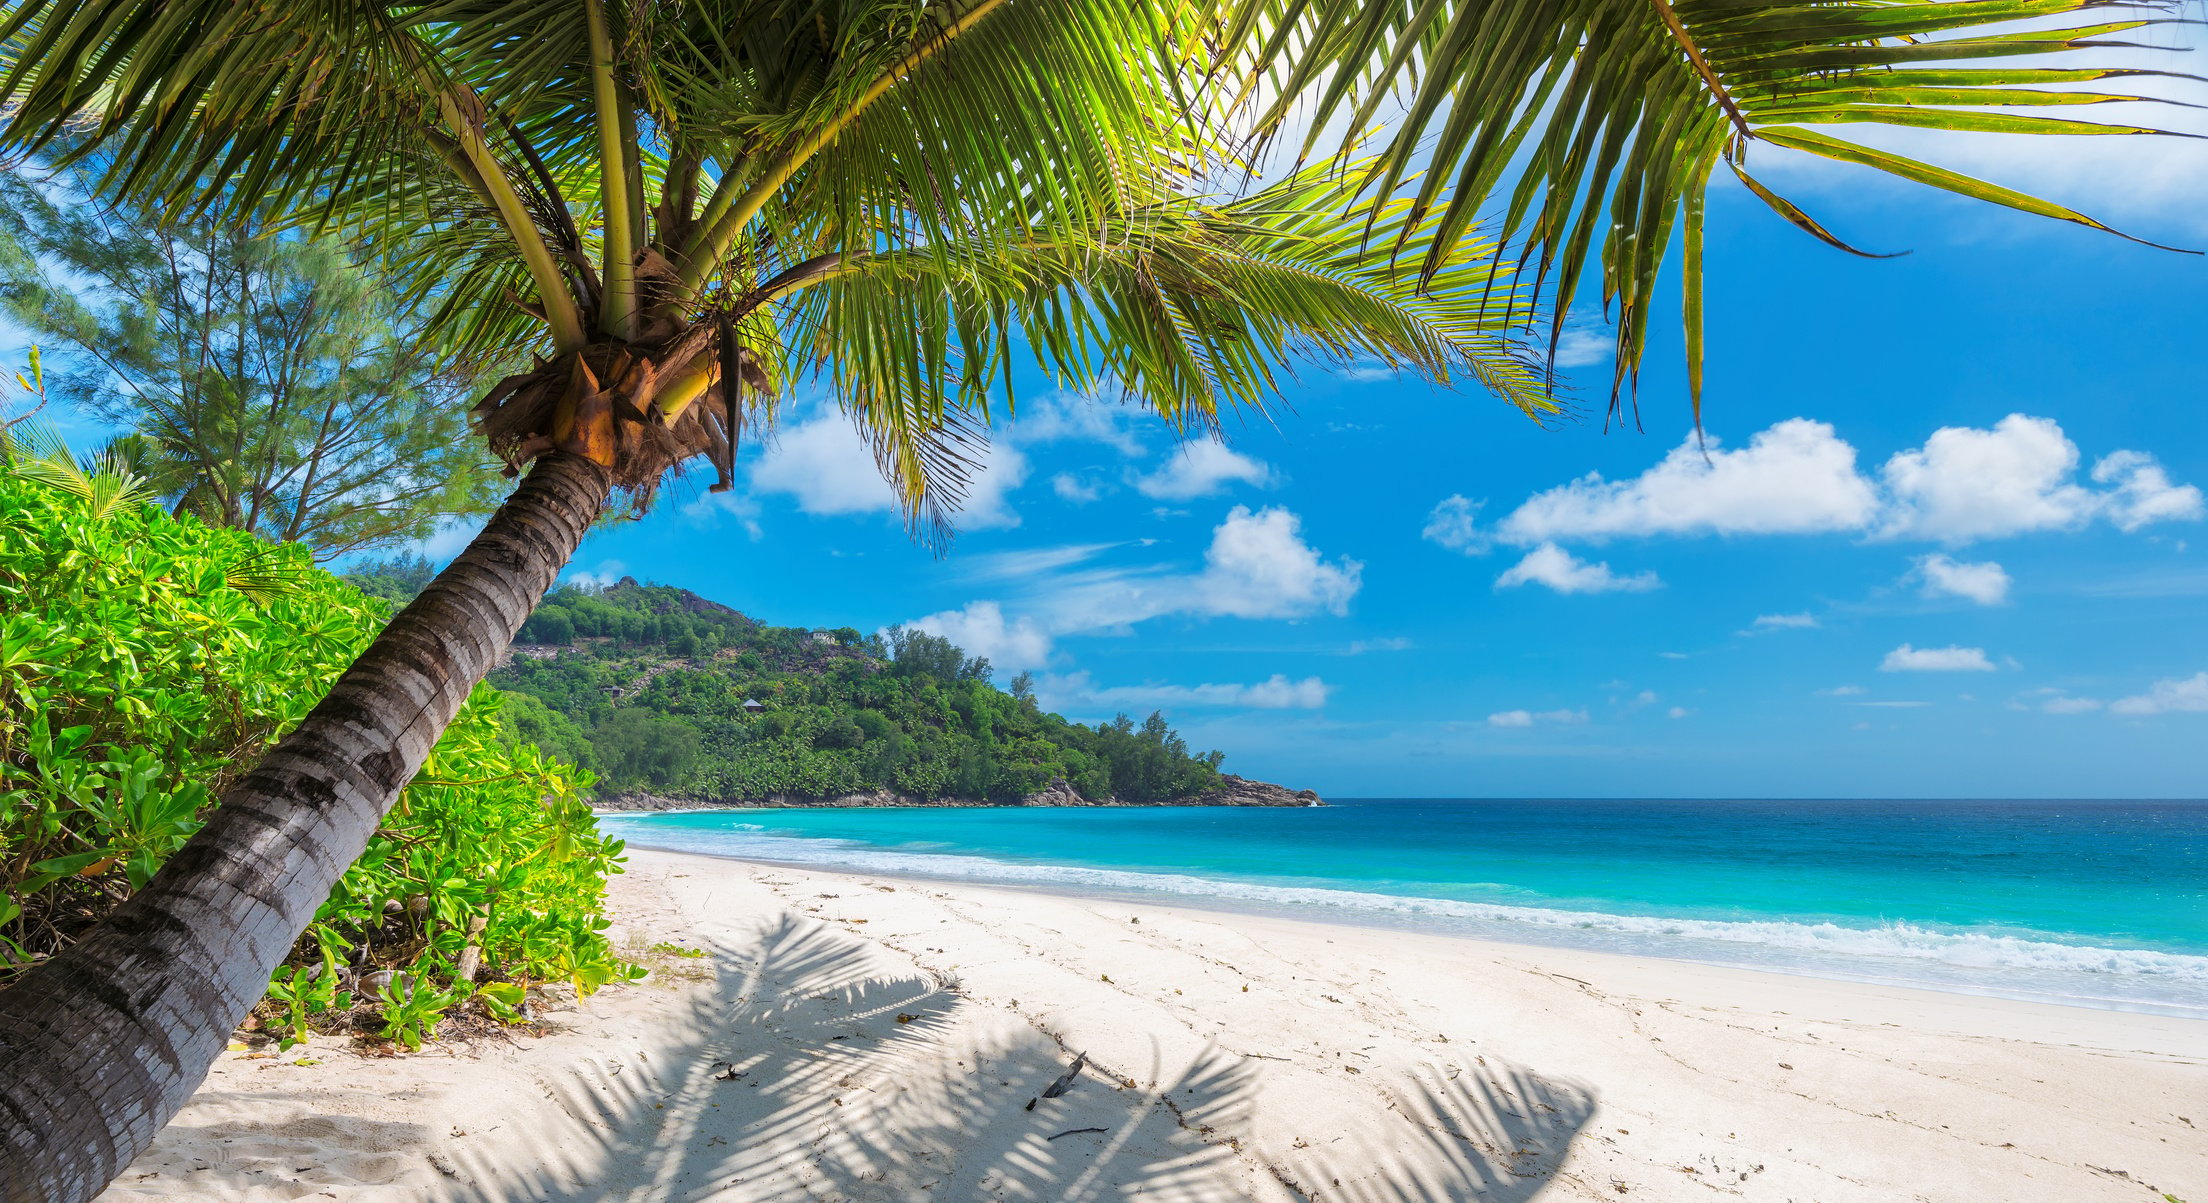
{"x": 101, "y": 1045}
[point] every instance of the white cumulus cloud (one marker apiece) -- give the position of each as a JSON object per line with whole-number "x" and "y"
{"x": 1986, "y": 583}
{"x": 604, "y": 576}
{"x": 824, "y": 465}
{"x": 1966, "y": 483}
{"x": 1583, "y": 346}
{"x": 1200, "y": 469}
{"x": 982, "y": 630}
{"x": 1560, "y": 570}
{"x": 1798, "y": 477}
{"x": 1258, "y": 566}
{"x": 2143, "y": 492}
{"x": 1936, "y": 660}
{"x": 2188, "y": 693}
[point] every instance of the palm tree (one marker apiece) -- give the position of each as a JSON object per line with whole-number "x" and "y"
{"x": 684, "y": 206}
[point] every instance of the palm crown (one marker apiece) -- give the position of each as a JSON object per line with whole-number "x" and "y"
{"x": 896, "y": 194}
{"x": 688, "y": 204}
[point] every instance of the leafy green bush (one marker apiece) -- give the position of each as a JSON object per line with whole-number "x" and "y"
{"x": 145, "y": 660}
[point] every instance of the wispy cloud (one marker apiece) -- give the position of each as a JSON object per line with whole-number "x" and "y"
{"x": 2165, "y": 696}
{"x": 1077, "y": 691}
{"x": 1935, "y": 660}
{"x": 1072, "y": 488}
{"x": 1030, "y": 562}
{"x": 1393, "y": 643}
{"x": 1528, "y": 718}
{"x": 1454, "y": 523}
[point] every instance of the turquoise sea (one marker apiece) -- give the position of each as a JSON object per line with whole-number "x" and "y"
{"x": 2091, "y": 903}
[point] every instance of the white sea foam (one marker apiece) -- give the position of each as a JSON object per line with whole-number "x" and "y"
{"x": 1950, "y": 958}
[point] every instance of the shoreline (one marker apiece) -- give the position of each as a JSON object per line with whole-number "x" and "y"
{"x": 862, "y": 1036}
{"x": 1900, "y": 954}
{"x": 1682, "y": 979}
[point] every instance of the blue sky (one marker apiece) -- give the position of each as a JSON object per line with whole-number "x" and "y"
{"x": 1948, "y": 542}
{"x": 1949, "y": 539}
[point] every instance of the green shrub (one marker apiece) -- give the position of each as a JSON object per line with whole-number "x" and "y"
{"x": 146, "y": 660}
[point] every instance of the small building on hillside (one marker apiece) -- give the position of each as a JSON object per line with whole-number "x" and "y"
{"x": 824, "y": 638}
{"x": 753, "y": 706}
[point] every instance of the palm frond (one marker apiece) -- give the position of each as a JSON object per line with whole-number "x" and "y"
{"x": 986, "y": 173}
{"x": 104, "y": 484}
{"x": 1595, "y": 124}
{"x": 1191, "y": 310}
{"x": 269, "y": 575}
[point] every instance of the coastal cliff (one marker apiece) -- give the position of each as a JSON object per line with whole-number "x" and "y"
{"x": 1231, "y": 791}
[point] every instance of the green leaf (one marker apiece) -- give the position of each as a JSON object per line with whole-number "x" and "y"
{"x": 1826, "y": 146}
{"x": 1803, "y": 221}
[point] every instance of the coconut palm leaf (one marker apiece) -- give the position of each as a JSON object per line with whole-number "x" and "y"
{"x": 1595, "y": 124}
{"x": 1193, "y": 309}
{"x": 564, "y": 174}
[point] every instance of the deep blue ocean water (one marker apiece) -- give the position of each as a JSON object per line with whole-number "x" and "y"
{"x": 2094, "y": 903}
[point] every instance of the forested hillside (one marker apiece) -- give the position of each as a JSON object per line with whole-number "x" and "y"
{"x": 648, "y": 685}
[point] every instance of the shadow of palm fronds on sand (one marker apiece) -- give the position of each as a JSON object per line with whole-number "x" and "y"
{"x": 1498, "y": 1135}
{"x": 810, "y": 1073}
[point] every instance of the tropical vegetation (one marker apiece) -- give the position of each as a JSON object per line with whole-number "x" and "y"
{"x": 661, "y": 690}
{"x": 146, "y": 659}
{"x": 687, "y": 208}
{"x": 263, "y": 381}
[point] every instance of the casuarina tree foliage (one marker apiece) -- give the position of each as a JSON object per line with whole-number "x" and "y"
{"x": 270, "y": 384}
{"x": 688, "y": 207}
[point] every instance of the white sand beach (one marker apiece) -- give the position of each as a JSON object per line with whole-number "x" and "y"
{"x": 892, "y": 1039}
